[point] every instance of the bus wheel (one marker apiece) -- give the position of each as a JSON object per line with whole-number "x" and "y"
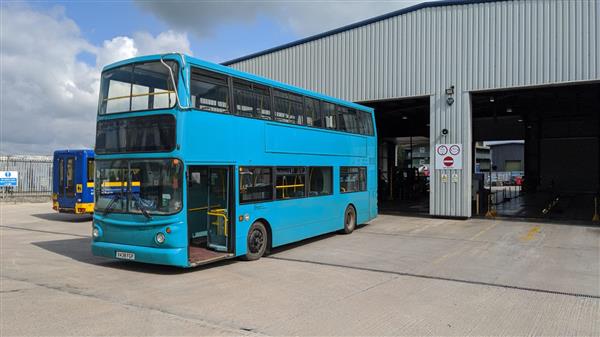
{"x": 257, "y": 241}
{"x": 349, "y": 219}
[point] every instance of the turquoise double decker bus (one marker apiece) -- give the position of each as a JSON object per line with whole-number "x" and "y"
{"x": 197, "y": 162}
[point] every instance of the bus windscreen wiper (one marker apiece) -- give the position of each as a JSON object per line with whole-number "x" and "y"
{"x": 111, "y": 204}
{"x": 141, "y": 205}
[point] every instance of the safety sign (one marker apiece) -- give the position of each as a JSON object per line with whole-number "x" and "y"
{"x": 448, "y": 156}
{"x": 9, "y": 178}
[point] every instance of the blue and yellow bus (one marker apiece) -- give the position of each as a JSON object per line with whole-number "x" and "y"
{"x": 73, "y": 181}
{"x": 197, "y": 162}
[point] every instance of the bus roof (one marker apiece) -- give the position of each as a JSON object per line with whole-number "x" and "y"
{"x": 89, "y": 152}
{"x": 240, "y": 74}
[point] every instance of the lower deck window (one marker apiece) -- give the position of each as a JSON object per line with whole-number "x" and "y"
{"x": 290, "y": 182}
{"x": 255, "y": 184}
{"x": 320, "y": 181}
{"x": 353, "y": 179}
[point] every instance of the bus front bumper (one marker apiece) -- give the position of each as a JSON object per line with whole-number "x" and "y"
{"x": 166, "y": 256}
{"x": 83, "y": 208}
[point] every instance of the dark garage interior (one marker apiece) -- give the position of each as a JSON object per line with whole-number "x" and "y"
{"x": 403, "y": 154}
{"x": 559, "y": 127}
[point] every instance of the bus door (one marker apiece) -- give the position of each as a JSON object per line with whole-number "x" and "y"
{"x": 66, "y": 182}
{"x": 209, "y": 222}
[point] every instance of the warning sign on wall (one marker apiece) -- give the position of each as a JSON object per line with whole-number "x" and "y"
{"x": 448, "y": 156}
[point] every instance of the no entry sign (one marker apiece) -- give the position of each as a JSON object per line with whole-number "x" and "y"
{"x": 448, "y": 156}
{"x": 448, "y": 161}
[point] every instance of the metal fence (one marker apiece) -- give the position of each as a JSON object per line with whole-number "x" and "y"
{"x": 35, "y": 176}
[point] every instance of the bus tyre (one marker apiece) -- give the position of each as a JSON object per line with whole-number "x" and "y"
{"x": 349, "y": 220}
{"x": 256, "y": 242}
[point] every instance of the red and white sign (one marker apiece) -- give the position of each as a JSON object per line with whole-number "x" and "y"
{"x": 448, "y": 156}
{"x": 448, "y": 161}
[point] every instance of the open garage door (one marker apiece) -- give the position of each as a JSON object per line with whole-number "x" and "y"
{"x": 550, "y": 143}
{"x": 403, "y": 154}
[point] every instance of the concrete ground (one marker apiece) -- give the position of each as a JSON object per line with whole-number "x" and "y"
{"x": 395, "y": 276}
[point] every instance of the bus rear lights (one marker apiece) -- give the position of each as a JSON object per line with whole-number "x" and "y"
{"x": 160, "y": 238}
{"x": 168, "y": 230}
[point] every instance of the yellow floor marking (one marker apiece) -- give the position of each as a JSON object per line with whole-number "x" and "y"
{"x": 532, "y": 232}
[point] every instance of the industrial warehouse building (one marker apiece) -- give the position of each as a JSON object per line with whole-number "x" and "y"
{"x": 463, "y": 73}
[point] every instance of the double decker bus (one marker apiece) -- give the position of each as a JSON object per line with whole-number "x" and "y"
{"x": 197, "y": 162}
{"x": 73, "y": 181}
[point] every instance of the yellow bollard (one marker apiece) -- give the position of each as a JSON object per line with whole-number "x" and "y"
{"x": 596, "y": 217}
{"x": 491, "y": 213}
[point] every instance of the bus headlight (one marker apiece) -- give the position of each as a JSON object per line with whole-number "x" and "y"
{"x": 160, "y": 238}
{"x": 96, "y": 232}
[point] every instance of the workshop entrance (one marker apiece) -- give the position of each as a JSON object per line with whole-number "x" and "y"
{"x": 403, "y": 154}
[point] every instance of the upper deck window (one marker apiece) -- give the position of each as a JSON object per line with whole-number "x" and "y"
{"x": 210, "y": 91}
{"x": 347, "y": 119}
{"x": 329, "y": 115}
{"x": 252, "y": 100}
{"x": 141, "y": 86}
{"x": 288, "y": 107}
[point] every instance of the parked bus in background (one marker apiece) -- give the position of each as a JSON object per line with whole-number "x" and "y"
{"x": 197, "y": 162}
{"x": 73, "y": 181}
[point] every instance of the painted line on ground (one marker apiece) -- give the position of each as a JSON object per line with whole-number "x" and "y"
{"x": 47, "y": 232}
{"x": 440, "y": 278}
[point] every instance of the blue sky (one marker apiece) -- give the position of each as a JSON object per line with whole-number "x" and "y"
{"x": 52, "y": 53}
{"x": 100, "y": 21}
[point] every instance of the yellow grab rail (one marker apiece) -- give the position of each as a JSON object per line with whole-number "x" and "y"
{"x": 288, "y": 186}
{"x": 220, "y": 212}
{"x": 140, "y": 94}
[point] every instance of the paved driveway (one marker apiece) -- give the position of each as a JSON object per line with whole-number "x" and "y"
{"x": 395, "y": 276}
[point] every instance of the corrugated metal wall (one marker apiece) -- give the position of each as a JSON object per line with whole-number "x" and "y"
{"x": 472, "y": 46}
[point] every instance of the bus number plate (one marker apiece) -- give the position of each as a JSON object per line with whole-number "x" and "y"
{"x": 125, "y": 256}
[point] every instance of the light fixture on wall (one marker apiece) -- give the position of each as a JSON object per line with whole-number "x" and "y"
{"x": 509, "y": 110}
{"x": 491, "y": 99}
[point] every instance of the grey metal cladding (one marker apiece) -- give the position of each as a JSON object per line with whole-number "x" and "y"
{"x": 473, "y": 46}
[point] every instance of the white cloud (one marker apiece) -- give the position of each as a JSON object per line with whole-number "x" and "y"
{"x": 303, "y": 17}
{"x": 48, "y": 97}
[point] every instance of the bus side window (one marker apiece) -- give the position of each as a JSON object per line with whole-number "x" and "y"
{"x": 288, "y": 107}
{"x": 312, "y": 112}
{"x": 251, "y": 100}
{"x": 320, "y": 181}
{"x": 290, "y": 182}
{"x": 256, "y": 184}
{"x": 328, "y": 114}
{"x": 210, "y": 91}
{"x": 353, "y": 179}
{"x": 365, "y": 126}
{"x": 347, "y": 119}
